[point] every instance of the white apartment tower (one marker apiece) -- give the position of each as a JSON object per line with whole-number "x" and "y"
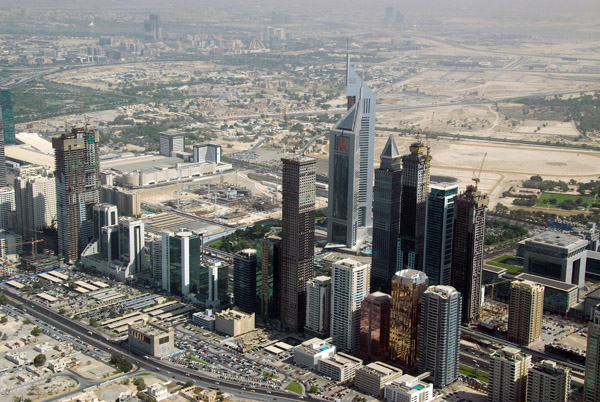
{"x": 35, "y": 199}
{"x": 318, "y": 306}
{"x": 548, "y": 382}
{"x": 350, "y": 281}
{"x": 508, "y": 375}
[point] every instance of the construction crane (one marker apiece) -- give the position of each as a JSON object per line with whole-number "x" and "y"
{"x": 476, "y": 178}
{"x": 495, "y": 312}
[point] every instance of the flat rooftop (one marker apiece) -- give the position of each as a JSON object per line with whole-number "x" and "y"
{"x": 173, "y": 222}
{"x": 380, "y": 369}
{"x": 557, "y": 239}
{"x": 139, "y": 163}
{"x": 551, "y": 283}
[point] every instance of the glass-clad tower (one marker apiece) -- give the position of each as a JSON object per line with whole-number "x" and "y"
{"x": 387, "y": 194}
{"x": 439, "y": 233}
{"x": 8, "y": 117}
{"x": 182, "y": 270}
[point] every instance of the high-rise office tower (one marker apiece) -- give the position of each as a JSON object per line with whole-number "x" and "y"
{"x": 408, "y": 287}
{"x": 525, "y": 312}
{"x": 8, "y": 117}
{"x": 592, "y": 359}
{"x": 375, "y": 327}
{"x": 3, "y": 179}
{"x": 153, "y": 29}
{"x": 318, "y": 306}
{"x": 508, "y": 370}
{"x": 439, "y": 340}
{"x": 351, "y": 147}
{"x": 35, "y": 199}
{"x": 467, "y": 250}
{"x": 268, "y": 260}
{"x": 415, "y": 183}
{"x": 131, "y": 237}
{"x": 171, "y": 142}
{"x": 344, "y": 156}
{"x": 349, "y": 286}
{"x": 548, "y": 382}
{"x": 104, "y": 215}
{"x": 182, "y": 271}
{"x": 357, "y": 92}
{"x": 77, "y": 189}
{"x": 387, "y": 194}
{"x": 244, "y": 280}
{"x": 297, "y": 239}
{"x": 438, "y": 234}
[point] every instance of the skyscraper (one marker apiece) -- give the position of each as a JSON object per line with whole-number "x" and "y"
{"x": 439, "y": 340}
{"x": 35, "y": 199}
{"x": 3, "y": 179}
{"x": 357, "y": 92}
{"x": 415, "y": 182}
{"x": 408, "y": 286}
{"x": 387, "y": 194}
{"x": 297, "y": 240}
{"x": 351, "y": 147}
{"x": 467, "y": 250}
{"x": 350, "y": 285}
{"x": 508, "y": 375}
{"x": 318, "y": 306}
{"x": 592, "y": 360}
{"x": 344, "y": 157}
{"x": 439, "y": 233}
{"x": 131, "y": 237}
{"x": 182, "y": 271}
{"x": 268, "y": 261}
{"x": 153, "y": 29}
{"x": 244, "y": 280}
{"x": 548, "y": 382}
{"x": 8, "y": 117}
{"x": 525, "y": 312}
{"x": 77, "y": 189}
{"x": 375, "y": 327}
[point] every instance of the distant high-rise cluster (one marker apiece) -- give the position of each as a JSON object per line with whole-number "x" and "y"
{"x": 153, "y": 29}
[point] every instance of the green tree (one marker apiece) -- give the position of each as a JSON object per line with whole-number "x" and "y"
{"x": 36, "y": 331}
{"x": 313, "y": 389}
{"x": 3, "y": 299}
{"x": 39, "y": 360}
{"x": 121, "y": 363}
{"x": 139, "y": 383}
{"x": 188, "y": 384}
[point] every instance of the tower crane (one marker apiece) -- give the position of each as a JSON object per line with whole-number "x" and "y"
{"x": 476, "y": 178}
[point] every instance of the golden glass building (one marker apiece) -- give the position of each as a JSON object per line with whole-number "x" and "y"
{"x": 408, "y": 287}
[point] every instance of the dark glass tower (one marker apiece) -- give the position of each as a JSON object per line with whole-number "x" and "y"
{"x": 298, "y": 239}
{"x": 467, "y": 250}
{"x": 387, "y": 194}
{"x": 375, "y": 327}
{"x": 415, "y": 182}
{"x": 8, "y": 117}
{"x": 244, "y": 280}
{"x": 439, "y": 233}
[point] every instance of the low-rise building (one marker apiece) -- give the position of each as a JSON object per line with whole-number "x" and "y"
{"x": 309, "y": 353}
{"x": 17, "y": 358}
{"x": 205, "y": 319}
{"x": 198, "y": 394}
{"x": 234, "y": 323}
{"x": 408, "y": 389}
{"x": 158, "y": 391}
{"x": 59, "y": 364}
{"x": 340, "y": 367}
{"x": 42, "y": 347}
{"x": 152, "y": 339}
{"x": 371, "y": 379}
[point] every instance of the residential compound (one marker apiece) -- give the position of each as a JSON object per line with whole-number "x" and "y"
{"x": 509, "y": 368}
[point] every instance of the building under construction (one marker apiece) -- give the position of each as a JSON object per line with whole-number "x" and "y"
{"x": 77, "y": 189}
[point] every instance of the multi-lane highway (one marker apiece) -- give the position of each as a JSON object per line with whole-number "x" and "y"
{"x": 164, "y": 368}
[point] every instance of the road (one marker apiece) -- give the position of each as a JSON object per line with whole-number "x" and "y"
{"x": 100, "y": 341}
